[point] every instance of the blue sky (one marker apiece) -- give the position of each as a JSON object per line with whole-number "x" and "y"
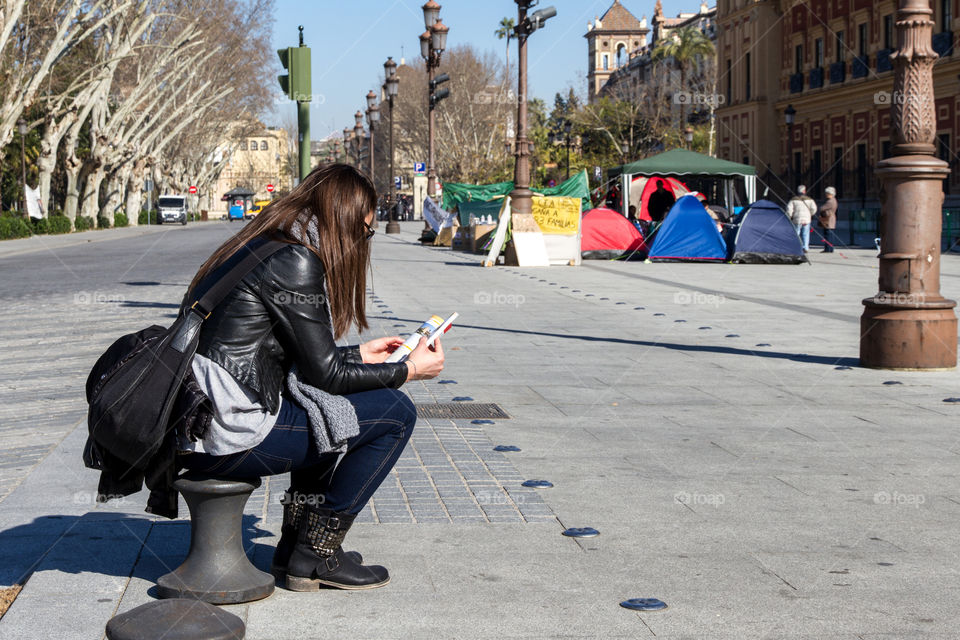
{"x": 351, "y": 39}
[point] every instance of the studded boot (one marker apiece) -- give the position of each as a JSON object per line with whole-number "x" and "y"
{"x": 292, "y": 513}
{"x": 319, "y": 560}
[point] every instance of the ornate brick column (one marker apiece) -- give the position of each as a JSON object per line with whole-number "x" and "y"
{"x": 908, "y": 324}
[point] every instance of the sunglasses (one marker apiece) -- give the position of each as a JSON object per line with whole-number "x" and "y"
{"x": 370, "y": 231}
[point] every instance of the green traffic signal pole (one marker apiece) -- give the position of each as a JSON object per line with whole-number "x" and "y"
{"x": 297, "y": 86}
{"x": 303, "y": 122}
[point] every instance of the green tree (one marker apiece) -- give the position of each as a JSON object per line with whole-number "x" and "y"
{"x": 506, "y": 31}
{"x": 686, "y": 47}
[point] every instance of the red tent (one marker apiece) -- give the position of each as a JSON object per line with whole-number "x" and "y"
{"x": 607, "y": 234}
{"x": 643, "y": 186}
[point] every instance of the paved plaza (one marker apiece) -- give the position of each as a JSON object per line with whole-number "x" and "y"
{"x": 709, "y": 420}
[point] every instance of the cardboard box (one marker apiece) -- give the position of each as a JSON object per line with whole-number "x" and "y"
{"x": 477, "y": 235}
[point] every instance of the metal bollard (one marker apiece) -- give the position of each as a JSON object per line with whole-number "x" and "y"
{"x": 217, "y": 569}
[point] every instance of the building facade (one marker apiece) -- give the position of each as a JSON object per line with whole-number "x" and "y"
{"x": 633, "y": 70}
{"x": 610, "y": 39}
{"x": 256, "y": 161}
{"x": 829, "y": 64}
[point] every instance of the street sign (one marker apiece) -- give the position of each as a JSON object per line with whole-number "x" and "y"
{"x": 192, "y": 189}
{"x": 269, "y": 188}
{"x": 597, "y": 174}
{"x": 420, "y": 167}
{"x": 148, "y": 185}
{"x": 398, "y": 182}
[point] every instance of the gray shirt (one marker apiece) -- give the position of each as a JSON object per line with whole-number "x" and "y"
{"x": 240, "y": 421}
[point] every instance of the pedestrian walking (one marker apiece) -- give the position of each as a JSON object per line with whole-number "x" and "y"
{"x": 827, "y": 219}
{"x": 800, "y": 209}
{"x": 285, "y": 397}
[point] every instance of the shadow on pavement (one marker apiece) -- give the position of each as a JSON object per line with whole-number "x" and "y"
{"x": 108, "y": 544}
{"x": 780, "y": 355}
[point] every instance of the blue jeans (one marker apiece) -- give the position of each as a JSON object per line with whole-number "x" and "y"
{"x": 829, "y": 240}
{"x": 803, "y": 231}
{"x": 386, "y": 418}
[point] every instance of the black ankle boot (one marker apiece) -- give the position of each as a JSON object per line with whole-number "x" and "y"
{"x": 288, "y": 538}
{"x": 318, "y": 559}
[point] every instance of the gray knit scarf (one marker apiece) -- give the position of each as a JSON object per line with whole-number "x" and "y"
{"x": 333, "y": 420}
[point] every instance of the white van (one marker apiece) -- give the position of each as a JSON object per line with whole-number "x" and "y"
{"x": 172, "y": 208}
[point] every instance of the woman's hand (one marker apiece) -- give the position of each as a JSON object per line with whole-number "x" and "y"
{"x": 425, "y": 362}
{"x": 377, "y": 351}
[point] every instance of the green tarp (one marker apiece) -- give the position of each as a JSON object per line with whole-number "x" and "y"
{"x": 680, "y": 162}
{"x": 479, "y": 209}
{"x": 454, "y": 193}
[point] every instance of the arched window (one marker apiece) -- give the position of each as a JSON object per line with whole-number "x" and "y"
{"x": 263, "y": 145}
{"x": 621, "y": 54}
{"x": 253, "y": 145}
{"x": 606, "y": 61}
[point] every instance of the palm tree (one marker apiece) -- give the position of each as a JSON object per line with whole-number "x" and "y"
{"x": 685, "y": 46}
{"x": 506, "y": 31}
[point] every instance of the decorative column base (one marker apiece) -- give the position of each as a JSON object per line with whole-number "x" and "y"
{"x": 908, "y": 324}
{"x": 901, "y": 337}
{"x": 393, "y": 227}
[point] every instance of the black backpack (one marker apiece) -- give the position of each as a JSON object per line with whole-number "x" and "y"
{"x": 134, "y": 385}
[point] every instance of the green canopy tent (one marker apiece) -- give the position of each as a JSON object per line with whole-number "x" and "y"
{"x": 681, "y": 162}
{"x": 454, "y": 193}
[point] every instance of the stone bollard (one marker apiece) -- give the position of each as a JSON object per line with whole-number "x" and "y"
{"x": 217, "y": 569}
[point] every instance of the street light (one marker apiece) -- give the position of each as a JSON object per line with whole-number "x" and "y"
{"x": 392, "y": 86}
{"x": 433, "y": 42}
{"x": 358, "y": 135}
{"x": 22, "y": 129}
{"x": 521, "y": 196}
{"x": 789, "y": 115}
{"x": 347, "y": 133}
{"x": 625, "y": 150}
{"x": 688, "y": 136}
{"x": 373, "y": 118}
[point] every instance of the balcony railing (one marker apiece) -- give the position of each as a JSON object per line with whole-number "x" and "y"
{"x": 943, "y": 43}
{"x": 883, "y": 60}
{"x": 838, "y": 72}
{"x": 816, "y": 78}
{"x": 796, "y": 83}
{"x": 861, "y": 67}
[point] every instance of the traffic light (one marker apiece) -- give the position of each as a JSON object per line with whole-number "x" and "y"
{"x": 296, "y": 84}
{"x": 437, "y": 96}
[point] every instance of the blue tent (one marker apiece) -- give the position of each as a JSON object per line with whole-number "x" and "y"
{"x": 765, "y": 235}
{"x": 688, "y": 234}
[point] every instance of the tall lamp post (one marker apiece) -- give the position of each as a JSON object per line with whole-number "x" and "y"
{"x": 521, "y": 198}
{"x": 347, "y": 134}
{"x": 358, "y": 136}
{"x": 22, "y": 129}
{"x": 789, "y": 115}
{"x": 373, "y": 118}
{"x": 908, "y": 324}
{"x": 433, "y": 41}
{"x": 688, "y": 137}
{"x": 392, "y": 86}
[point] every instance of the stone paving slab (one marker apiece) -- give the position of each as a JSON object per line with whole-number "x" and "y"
{"x": 759, "y": 490}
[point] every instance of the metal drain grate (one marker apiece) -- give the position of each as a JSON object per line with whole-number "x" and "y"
{"x": 461, "y": 410}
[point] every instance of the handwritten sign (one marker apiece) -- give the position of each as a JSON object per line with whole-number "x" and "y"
{"x": 557, "y": 215}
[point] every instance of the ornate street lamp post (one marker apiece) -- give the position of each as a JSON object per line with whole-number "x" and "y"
{"x": 392, "y": 86}
{"x": 22, "y": 129}
{"x": 789, "y": 115}
{"x": 688, "y": 137}
{"x": 908, "y": 324}
{"x": 358, "y": 136}
{"x": 521, "y": 198}
{"x": 347, "y": 147}
{"x": 373, "y": 118}
{"x": 433, "y": 41}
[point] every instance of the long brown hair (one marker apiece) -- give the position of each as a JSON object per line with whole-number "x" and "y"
{"x": 339, "y": 197}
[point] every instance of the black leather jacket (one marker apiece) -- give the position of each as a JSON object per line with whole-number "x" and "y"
{"x": 277, "y": 316}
